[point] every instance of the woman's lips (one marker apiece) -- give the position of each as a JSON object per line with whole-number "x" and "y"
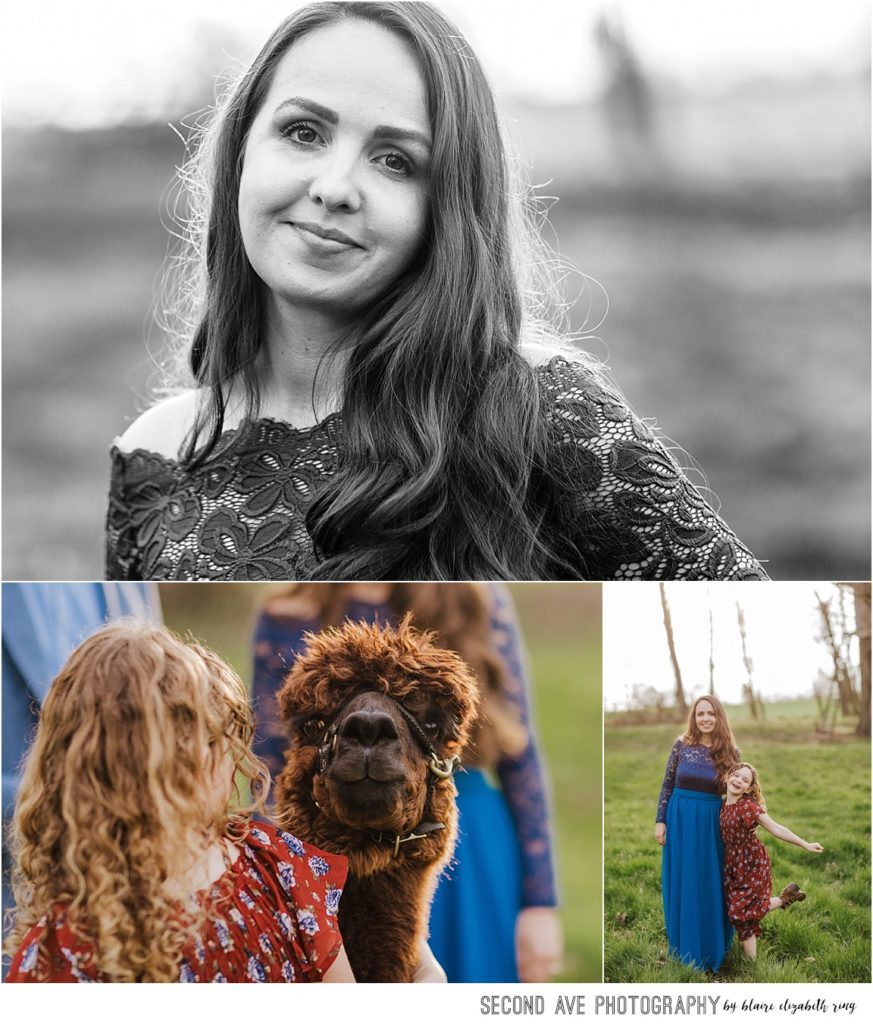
{"x": 324, "y": 239}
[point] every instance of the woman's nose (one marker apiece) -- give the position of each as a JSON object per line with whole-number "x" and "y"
{"x": 335, "y": 184}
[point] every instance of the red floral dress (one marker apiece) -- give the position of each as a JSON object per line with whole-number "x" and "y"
{"x": 274, "y": 919}
{"x": 748, "y": 883}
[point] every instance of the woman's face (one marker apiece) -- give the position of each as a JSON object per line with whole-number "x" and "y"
{"x": 704, "y": 717}
{"x": 740, "y": 781}
{"x": 333, "y": 194}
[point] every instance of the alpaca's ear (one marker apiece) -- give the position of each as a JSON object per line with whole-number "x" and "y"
{"x": 288, "y": 696}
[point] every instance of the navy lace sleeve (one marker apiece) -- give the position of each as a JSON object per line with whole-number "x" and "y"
{"x": 628, "y": 511}
{"x": 522, "y": 777}
{"x": 669, "y": 781}
{"x": 278, "y": 640}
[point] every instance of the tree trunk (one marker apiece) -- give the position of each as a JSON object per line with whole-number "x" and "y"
{"x": 681, "y": 702}
{"x": 711, "y": 654}
{"x": 862, "y": 626}
{"x": 842, "y": 677}
{"x": 755, "y": 703}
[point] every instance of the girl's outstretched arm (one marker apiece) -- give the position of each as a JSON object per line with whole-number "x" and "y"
{"x": 781, "y": 832}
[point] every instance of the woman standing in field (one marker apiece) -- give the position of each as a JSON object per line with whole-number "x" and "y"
{"x": 380, "y": 390}
{"x": 687, "y": 827}
{"x": 748, "y": 880}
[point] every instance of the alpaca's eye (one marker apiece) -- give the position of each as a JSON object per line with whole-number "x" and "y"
{"x": 431, "y": 727}
{"x": 312, "y": 727}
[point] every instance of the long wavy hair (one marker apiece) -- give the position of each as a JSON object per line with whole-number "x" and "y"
{"x": 459, "y": 615}
{"x": 445, "y": 469}
{"x": 121, "y": 794}
{"x": 754, "y": 792}
{"x": 724, "y": 750}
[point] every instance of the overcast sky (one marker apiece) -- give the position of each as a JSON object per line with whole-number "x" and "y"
{"x": 782, "y": 623}
{"x": 92, "y": 62}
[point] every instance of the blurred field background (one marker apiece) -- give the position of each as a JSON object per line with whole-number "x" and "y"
{"x": 810, "y": 744}
{"x": 725, "y": 213}
{"x": 561, "y": 625}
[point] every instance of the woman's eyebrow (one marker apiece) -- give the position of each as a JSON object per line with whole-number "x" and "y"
{"x": 302, "y": 103}
{"x": 381, "y": 131}
{"x": 384, "y": 131}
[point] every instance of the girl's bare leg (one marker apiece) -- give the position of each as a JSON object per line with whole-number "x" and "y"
{"x": 775, "y": 902}
{"x": 750, "y": 947}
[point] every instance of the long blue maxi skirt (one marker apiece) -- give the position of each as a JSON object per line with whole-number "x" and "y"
{"x": 692, "y": 864}
{"x": 472, "y": 920}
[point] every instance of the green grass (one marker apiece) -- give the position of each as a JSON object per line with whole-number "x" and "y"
{"x": 820, "y": 790}
{"x": 561, "y": 625}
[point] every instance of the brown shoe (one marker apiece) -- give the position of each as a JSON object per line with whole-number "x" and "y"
{"x": 792, "y": 893}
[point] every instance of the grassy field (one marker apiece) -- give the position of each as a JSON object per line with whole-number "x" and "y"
{"x": 562, "y": 628}
{"x": 818, "y": 788}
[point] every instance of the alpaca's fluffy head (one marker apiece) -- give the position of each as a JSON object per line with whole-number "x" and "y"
{"x": 375, "y": 776}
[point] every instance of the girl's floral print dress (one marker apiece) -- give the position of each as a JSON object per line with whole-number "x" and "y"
{"x": 748, "y": 883}
{"x": 274, "y": 919}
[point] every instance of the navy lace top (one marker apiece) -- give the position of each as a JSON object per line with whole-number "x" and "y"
{"x": 278, "y": 640}
{"x": 626, "y": 510}
{"x": 689, "y": 766}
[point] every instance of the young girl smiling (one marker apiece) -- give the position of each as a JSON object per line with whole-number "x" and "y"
{"x": 748, "y": 881}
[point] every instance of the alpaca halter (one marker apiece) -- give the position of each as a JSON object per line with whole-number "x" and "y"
{"x": 438, "y": 768}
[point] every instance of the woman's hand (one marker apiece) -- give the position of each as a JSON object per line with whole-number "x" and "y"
{"x": 539, "y": 944}
{"x": 429, "y": 968}
{"x": 661, "y": 834}
{"x": 814, "y": 847}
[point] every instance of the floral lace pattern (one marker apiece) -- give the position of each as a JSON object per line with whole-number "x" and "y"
{"x": 689, "y": 766}
{"x": 627, "y": 510}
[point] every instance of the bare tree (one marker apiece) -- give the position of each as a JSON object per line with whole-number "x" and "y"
{"x": 862, "y": 628}
{"x": 834, "y": 632}
{"x": 756, "y": 705}
{"x": 681, "y": 702}
{"x": 711, "y": 654}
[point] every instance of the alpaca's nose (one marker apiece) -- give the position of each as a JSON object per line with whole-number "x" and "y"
{"x": 369, "y": 727}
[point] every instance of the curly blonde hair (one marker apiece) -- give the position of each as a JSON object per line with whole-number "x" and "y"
{"x": 122, "y": 795}
{"x": 754, "y": 791}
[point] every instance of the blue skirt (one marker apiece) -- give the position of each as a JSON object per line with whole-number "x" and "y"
{"x": 692, "y": 862}
{"x": 472, "y": 920}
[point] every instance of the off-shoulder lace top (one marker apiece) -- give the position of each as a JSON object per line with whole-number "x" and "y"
{"x": 627, "y": 508}
{"x": 689, "y": 766}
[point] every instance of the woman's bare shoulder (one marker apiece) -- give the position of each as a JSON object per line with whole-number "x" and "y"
{"x": 163, "y": 428}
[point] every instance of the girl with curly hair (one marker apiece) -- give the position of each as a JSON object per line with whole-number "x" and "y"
{"x": 748, "y": 880}
{"x": 135, "y": 856}
{"x": 379, "y": 385}
{"x": 687, "y": 827}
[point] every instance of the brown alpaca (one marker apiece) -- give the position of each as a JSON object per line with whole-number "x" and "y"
{"x": 368, "y": 708}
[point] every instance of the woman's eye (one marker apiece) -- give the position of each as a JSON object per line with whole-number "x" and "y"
{"x": 301, "y": 131}
{"x": 397, "y": 163}
{"x": 312, "y": 727}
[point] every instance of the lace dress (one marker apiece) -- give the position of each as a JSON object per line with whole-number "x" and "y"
{"x": 272, "y": 917}
{"x": 627, "y": 510}
{"x": 698, "y": 930}
{"x": 504, "y": 858}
